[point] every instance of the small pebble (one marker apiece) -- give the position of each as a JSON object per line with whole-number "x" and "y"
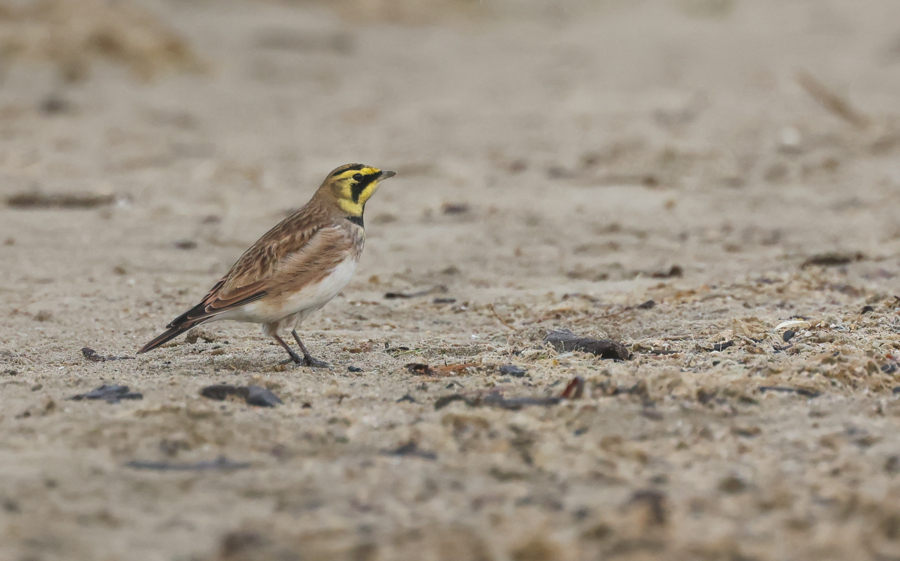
{"x": 53, "y": 105}
{"x": 732, "y": 485}
{"x": 564, "y": 340}
{"x": 788, "y": 335}
{"x": 651, "y": 414}
{"x": 109, "y": 394}
{"x": 455, "y": 208}
{"x": 261, "y": 397}
{"x": 185, "y": 244}
{"x": 411, "y": 448}
{"x": 252, "y": 395}
{"x": 892, "y": 464}
{"x": 354, "y": 369}
{"x": 512, "y": 370}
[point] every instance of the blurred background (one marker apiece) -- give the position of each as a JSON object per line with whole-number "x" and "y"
{"x": 601, "y": 134}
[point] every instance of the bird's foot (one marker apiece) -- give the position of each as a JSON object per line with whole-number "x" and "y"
{"x": 295, "y": 359}
{"x": 308, "y": 360}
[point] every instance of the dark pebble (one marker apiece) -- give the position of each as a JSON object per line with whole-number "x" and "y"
{"x": 186, "y": 244}
{"x": 892, "y": 464}
{"x": 649, "y": 304}
{"x": 673, "y": 272}
{"x": 746, "y": 432}
{"x": 732, "y": 485}
{"x": 219, "y": 392}
{"x": 455, "y": 208}
{"x": 354, "y": 369}
{"x": 53, "y": 105}
{"x": 395, "y": 295}
{"x": 261, "y": 397}
{"x": 889, "y": 368}
{"x": 240, "y": 544}
{"x": 512, "y": 370}
{"x": 557, "y": 172}
{"x": 31, "y": 199}
{"x": 253, "y": 395}
{"x": 220, "y": 463}
{"x": 651, "y": 414}
{"x": 799, "y": 391}
{"x": 419, "y": 368}
{"x": 92, "y": 355}
{"x": 832, "y": 259}
{"x": 110, "y": 394}
{"x": 867, "y": 309}
{"x": 788, "y": 335}
{"x": 565, "y": 341}
{"x": 410, "y": 449}
{"x": 446, "y": 400}
{"x": 656, "y": 502}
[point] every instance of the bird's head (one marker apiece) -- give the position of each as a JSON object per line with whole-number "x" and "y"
{"x": 351, "y": 185}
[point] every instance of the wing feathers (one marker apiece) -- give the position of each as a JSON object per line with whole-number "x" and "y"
{"x": 216, "y": 303}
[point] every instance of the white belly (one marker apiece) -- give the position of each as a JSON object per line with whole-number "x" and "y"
{"x": 313, "y": 297}
{"x": 300, "y": 304}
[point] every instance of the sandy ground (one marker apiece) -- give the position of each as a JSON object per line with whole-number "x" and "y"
{"x": 699, "y": 154}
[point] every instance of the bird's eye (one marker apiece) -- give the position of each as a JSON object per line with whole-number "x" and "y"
{"x": 358, "y": 177}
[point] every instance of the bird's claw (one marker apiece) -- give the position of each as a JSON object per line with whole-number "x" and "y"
{"x": 314, "y": 363}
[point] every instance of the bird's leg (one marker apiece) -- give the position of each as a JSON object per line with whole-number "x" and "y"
{"x": 307, "y": 358}
{"x": 294, "y": 357}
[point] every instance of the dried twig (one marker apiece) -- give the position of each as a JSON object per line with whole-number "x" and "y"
{"x": 504, "y": 322}
{"x": 831, "y": 101}
{"x": 406, "y": 295}
{"x": 495, "y": 398}
{"x": 447, "y": 370}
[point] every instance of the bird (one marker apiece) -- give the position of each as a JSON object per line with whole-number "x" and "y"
{"x": 296, "y": 267}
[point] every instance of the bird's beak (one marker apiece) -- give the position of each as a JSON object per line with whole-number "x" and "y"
{"x": 385, "y": 174}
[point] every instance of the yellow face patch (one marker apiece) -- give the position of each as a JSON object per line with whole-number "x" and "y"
{"x": 352, "y": 186}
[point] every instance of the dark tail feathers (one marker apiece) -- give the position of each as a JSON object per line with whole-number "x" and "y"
{"x": 167, "y": 336}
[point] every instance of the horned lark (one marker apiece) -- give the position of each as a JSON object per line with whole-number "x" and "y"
{"x": 296, "y": 268}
